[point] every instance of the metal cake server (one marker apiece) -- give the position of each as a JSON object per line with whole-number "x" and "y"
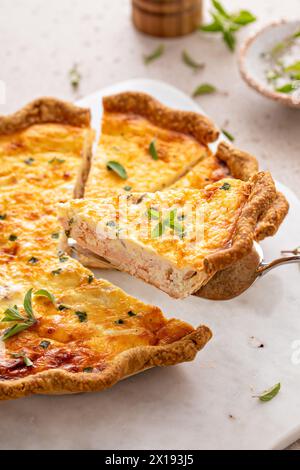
{"x": 233, "y": 281}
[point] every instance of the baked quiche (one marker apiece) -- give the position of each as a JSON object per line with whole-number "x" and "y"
{"x": 175, "y": 239}
{"x": 146, "y": 146}
{"x": 62, "y": 330}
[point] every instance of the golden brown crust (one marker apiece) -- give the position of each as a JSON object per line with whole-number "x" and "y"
{"x": 263, "y": 194}
{"x": 241, "y": 164}
{"x": 271, "y": 220}
{"x": 45, "y": 110}
{"x": 194, "y": 124}
{"x": 130, "y": 362}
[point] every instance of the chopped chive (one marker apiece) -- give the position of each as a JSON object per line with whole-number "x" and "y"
{"x": 228, "y": 135}
{"x": 152, "y": 150}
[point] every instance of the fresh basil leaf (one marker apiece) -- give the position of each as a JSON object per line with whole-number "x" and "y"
{"x": 47, "y": 294}
{"x": 270, "y": 393}
{"x": 15, "y": 329}
{"x": 204, "y": 89}
{"x": 213, "y": 27}
{"x": 117, "y": 168}
{"x": 229, "y": 39}
{"x": 28, "y": 304}
{"x": 288, "y": 88}
{"x": 243, "y": 17}
{"x": 158, "y": 52}
{"x": 220, "y": 8}
{"x": 228, "y": 135}
{"x": 190, "y": 62}
{"x": 152, "y": 149}
{"x": 293, "y": 67}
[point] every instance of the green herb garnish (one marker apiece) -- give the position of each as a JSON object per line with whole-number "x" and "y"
{"x": 270, "y": 393}
{"x": 226, "y": 186}
{"x": 29, "y": 161}
{"x": 33, "y": 260}
{"x": 75, "y": 77}
{"x": 56, "y": 160}
{"x": 117, "y": 168}
{"x": 12, "y": 238}
{"x": 190, "y": 62}
{"x": 90, "y": 278}
{"x": 63, "y": 307}
{"x": 56, "y": 272}
{"x": 55, "y": 235}
{"x": 131, "y": 313}
{"x": 111, "y": 223}
{"x": 82, "y": 316}
{"x": 127, "y": 188}
{"x": 204, "y": 89}
{"x": 12, "y": 314}
{"x": 119, "y": 321}
{"x": 88, "y": 370}
{"x": 295, "y": 67}
{"x": 287, "y": 88}
{"x": 2, "y": 216}
{"x": 158, "y": 230}
{"x": 44, "y": 344}
{"x": 62, "y": 257}
{"x": 153, "y": 213}
{"x": 47, "y": 294}
{"x": 158, "y": 52}
{"x": 227, "y": 23}
{"x": 152, "y": 150}
{"x": 26, "y": 360}
{"x": 228, "y": 135}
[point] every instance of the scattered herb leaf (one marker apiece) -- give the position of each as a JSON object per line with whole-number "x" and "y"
{"x": 228, "y": 135}
{"x": 158, "y": 230}
{"x": 47, "y": 294}
{"x": 33, "y": 260}
{"x": 29, "y": 161}
{"x": 119, "y": 321}
{"x": 152, "y": 149}
{"x": 127, "y": 188}
{"x": 225, "y": 186}
{"x": 12, "y": 238}
{"x": 287, "y": 88}
{"x": 88, "y": 369}
{"x": 75, "y": 77}
{"x": 56, "y": 160}
{"x": 117, "y": 168}
{"x": 204, "y": 89}
{"x": 131, "y": 313}
{"x": 153, "y": 214}
{"x": 45, "y": 344}
{"x": 270, "y": 393}
{"x": 158, "y": 52}
{"x": 82, "y": 316}
{"x": 2, "y": 216}
{"x": 190, "y": 62}
{"x": 55, "y": 235}
{"x": 56, "y": 272}
{"x": 90, "y": 279}
{"x": 13, "y": 314}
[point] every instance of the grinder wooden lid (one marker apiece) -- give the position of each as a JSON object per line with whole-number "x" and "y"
{"x": 166, "y": 18}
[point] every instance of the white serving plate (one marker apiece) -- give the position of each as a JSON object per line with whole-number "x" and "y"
{"x": 205, "y": 404}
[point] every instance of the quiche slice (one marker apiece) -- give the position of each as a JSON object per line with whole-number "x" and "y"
{"x": 145, "y": 146}
{"x": 62, "y": 330}
{"x": 176, "y": 239}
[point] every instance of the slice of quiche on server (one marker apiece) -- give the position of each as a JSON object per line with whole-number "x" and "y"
{"x": 146, "y": 146}
{"x": 62, "y": 330}
{"x": 175, "y": 239}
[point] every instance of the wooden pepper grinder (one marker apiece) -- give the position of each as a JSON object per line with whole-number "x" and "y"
{"x": 167, "y": 18}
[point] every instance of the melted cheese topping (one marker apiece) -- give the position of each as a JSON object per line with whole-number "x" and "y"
{"x": 193, "y": 223}
{"x": 93, "y": 320}
{"x": 126, "y": 139}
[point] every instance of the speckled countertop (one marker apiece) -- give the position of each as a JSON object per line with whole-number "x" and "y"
{"x": 42, "y": 40}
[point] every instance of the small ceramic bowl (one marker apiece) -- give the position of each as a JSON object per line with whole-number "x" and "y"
{"x": 252, "y": 66}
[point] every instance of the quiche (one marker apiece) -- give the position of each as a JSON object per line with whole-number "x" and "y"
{"x": 176, "y": 239}
{"x": 146, "y": 146}
{"x": 62, "y": 330}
